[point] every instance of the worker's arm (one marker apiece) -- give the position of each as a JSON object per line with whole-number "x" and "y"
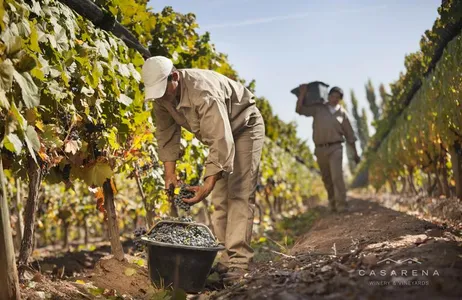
{"x": 217, "y": 135}
{"x": 350, "y": 136}
{"x": 301, "y": 109}
{"x": 168, "y": 135}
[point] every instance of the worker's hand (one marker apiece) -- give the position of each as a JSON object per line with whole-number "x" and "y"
{"x": 303, "y": 89}
{"x": 171, "y": 182}
{"x": 357, "y": 159}
{"x": 170, "y": 179}
{"x": 201, "y": 192}
{"x": 170, "y": 174}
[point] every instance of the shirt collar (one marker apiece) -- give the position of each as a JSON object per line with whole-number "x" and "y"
{"x": 184, "y": 97}
{"x": 333, "y": 109}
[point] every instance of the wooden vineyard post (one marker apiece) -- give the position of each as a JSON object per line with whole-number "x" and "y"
{"x": 112, "y": 224}
{"x": 35, "y": 179}
{"x": 9, "y": 282}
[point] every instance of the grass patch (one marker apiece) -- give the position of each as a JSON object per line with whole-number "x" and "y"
{"x": 283, "y": 237}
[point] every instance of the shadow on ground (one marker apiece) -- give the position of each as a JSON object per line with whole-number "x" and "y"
{"x": 345, "y": 256}
{"x": 72, "y": 264}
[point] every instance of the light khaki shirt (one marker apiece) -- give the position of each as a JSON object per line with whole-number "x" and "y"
{"x": 329, "y": 127}
{"x": 212, "y": 107}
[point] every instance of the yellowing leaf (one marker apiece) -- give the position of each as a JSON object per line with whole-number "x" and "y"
{"x": 96, "y": 291}
{"x": 34, "y": 44}
{"x": 97, "y": 174}
{"x": 38, "y": 73}
{"x": 72, "y": 146}
{"x": 31, "y": 116}
{"x": 39, "y": 125}
{"x": 17, "y": 115}
{"x": 80, "y": 281}
{"x": 76, "y": 118}
{"x": 140, "y": 262}
{"x": 2, "y": 13}
{"x": 262, "y": 240}
{"x": 43, "y": 155}
{"x": 112, "y": 139}
{"x": 129, "y": 271}
{"x": 12, "y": 143}
{"x": 113, "y": 187}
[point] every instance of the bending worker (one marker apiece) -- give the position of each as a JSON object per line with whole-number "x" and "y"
{"x": 331, "y": 126}
{"x": 222, "y": 114}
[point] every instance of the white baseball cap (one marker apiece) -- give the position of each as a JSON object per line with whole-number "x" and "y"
{"x": 155, "y": 73}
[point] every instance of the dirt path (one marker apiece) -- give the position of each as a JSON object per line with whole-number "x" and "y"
{"x": 370, "y": 252}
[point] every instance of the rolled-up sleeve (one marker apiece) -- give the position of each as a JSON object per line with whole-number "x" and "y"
{"x": 216, "y": 133}
{"x": 168, "y": 134}
{"x": 348, "y": 130}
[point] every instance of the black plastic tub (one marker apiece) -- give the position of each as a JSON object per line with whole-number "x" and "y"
{"x": 178, "y": 266}
{"x": 317, "y": 92}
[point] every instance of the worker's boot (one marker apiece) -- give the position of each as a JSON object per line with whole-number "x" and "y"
{"x": 233, "y": 276}
{"x": 219, "y": 268}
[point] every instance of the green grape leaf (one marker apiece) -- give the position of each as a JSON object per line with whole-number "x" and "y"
{"x": 26, "y": 63}
{"x": 4, "y": 103}
{"x": 12, "y": 143}
{"x": 97, "y": 173}
{"x": 124, "y": 99}
{"x": 13, "y": 44}
{"x": 29, "y": 90}
{"x": 50, "y": 137}
{"x": 32, "y": 138}
{"x": 32, "y": 141}
{"x": 17, "y": 115}
{"x": 6, "y": 74}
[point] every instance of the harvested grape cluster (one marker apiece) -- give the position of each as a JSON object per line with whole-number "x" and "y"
{"x": 137, "y": 233}
{"x": 182, "y": 234}
{"x": 186, "y": 219}
{"x": 184, "y": 194}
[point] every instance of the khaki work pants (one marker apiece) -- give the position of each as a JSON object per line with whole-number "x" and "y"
{"x": 330, "y": 162}
{"x": 234, "y": 197}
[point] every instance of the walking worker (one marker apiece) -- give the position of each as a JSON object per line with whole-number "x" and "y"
{"x": 223, "y": 115}
{"x": 331, "y": 126}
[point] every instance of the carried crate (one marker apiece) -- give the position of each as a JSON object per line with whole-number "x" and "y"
{"x": 317, "y": 92}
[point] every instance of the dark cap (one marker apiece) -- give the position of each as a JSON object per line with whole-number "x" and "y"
{"x": 338, "y": 90}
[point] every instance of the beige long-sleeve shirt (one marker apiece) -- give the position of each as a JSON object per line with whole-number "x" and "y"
{"x": 329, "y": 127}
{"x": 214, "y": 108}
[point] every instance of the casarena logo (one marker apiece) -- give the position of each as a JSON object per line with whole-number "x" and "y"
{"x": 403, "y": 273}
{"x": 399, "y": 262}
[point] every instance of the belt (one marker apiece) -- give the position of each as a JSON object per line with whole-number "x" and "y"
{"x": 328, "y": 144}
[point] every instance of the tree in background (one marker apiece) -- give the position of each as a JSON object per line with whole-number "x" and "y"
{"x": 372, "y": 99}
{"x": 364, "y": 128}
{"x": 385, "y": 97}
{"x": 361, "y": 127}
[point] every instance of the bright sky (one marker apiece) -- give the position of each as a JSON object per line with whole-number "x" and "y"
{"x": 282, "y": 44}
